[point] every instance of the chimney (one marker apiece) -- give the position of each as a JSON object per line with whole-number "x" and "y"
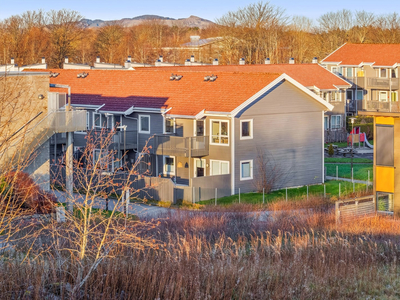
{"x": 158, "y": 63}
{"x": 128, "y": 64}
{"x": 43, "y": 60}
{"x": 129, "y": 58}
{"x": 291, "y": 61}
{"x": 242, "y": 61}
{"x": 215, "y": 62}
{"x": 98, "y": 59}
{"x": 12, "y": 61}
{"x": 315, "y": 60}
{"x": 267, "y": 61}
{"x": 161, "y": 58}
{"x": 187, "y": 62}
{"x": 192, "y": 58}
{"x": 194, "y": 38}
{"x": 66, "y": 60}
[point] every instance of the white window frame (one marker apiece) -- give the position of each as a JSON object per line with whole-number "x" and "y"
{"x": 195, "y": 166}
{"x": 164, "y": 164}
{"x": 380, "y": 72}
{"x": 140, "y": 124}
{"x": 251, "y": 129}
{"x": 219, "y": 167}
{"x": 94, "y": 120}
{"x": 332, "y": 99}
{"x": 211, "y": 133}
{"x": 327, "y": 123}
{"x": 352, "y": 72}
{"x": 340, "y": 122}
{"x": 195, "y": 127}
{"x": 381, "y": 93}
{"x": 251, "y": 169}
{"x": 165, "y": 127}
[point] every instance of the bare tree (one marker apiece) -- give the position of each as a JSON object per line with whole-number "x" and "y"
{"x": 268, "y": 173}
{"x": 109, "y": 43}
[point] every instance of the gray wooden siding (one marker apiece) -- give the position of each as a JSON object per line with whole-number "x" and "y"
{"x": 156, "y": 127}
{"x": 287, "y": 125}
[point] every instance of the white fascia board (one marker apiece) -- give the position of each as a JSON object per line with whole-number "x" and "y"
{"x": 148, "y": 110}
{"x": 366, "y": 64}
{"x": 97, "y": 109}
{"x": 200, "y": 115}
{"x": 322, "y": 61}
{"x": 165, "y": 111}
{"x": 387, "y": 67}
{"x": 111, "y": 112}
{"x": 284, "y": 76}
{"x": 182, "y": 116}
{"x": 86, "y": 105}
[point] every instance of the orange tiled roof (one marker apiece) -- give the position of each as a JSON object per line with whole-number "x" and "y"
{"x": 120, "y": 90}
{"x": 355, "y": 54}
{"x": 306, "y": 74}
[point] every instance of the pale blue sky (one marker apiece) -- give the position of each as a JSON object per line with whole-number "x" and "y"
{"x": 208, "y": 9}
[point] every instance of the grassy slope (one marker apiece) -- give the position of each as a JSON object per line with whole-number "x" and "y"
{"x": 360, "y": 170}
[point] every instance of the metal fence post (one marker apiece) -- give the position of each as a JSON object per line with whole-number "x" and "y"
{"x": 307, "y": 192}
{"x": 324, "y": 191}
{"x": 339, "y": 189}
{"x": 286, "y": 194}
{"x": 352, "y": 177}
{"x": 216, "y": 193}
{"x": 368, "y": 180}
{"x": 263, "y": 195}
{"x": 239, "y": 195}
{"x": 193, "y": 196}
{"x": 354, "y": 187}
{"x": 337, "y": 172}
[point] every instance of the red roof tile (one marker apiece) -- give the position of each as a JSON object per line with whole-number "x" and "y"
{"x": 306, "y": 74}
{"x": 355, "y": 54}
{"x": 120, "y": 90}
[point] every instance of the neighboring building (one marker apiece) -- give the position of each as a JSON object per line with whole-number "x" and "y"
{"x": 205, "y": 131}
{"x": 373, "y": 71}
{"x": 316, "y": 78}
{"x": 27, "y": 122}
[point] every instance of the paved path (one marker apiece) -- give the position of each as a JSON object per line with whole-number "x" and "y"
{"x": 139, "y": 209}
{"x": 347, "y": 179}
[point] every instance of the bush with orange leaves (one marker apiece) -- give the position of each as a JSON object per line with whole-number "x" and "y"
{"x": 19, "y": 191}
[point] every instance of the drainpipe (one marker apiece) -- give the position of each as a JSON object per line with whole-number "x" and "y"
{"x": 69, "y": 170}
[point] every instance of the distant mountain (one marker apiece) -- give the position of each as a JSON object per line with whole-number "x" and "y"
{"x": 192, "y": 21}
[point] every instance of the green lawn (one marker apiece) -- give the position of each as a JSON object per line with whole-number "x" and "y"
{"x": 332, "y": 189}
{"x": 344, "y": 144}
{"x": 347, "y": 160}
{"x": 360, "y": 171}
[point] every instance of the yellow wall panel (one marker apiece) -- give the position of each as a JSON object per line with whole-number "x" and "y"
{"x": 384, "y": 120}
{"x": 384, "y": 179}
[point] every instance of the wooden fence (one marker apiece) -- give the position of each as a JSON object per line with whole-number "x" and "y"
{"x": 347, "y": 210}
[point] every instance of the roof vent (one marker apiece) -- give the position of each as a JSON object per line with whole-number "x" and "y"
{"x": 291, "y": 61}
{"x": 158, "y": 63}
{"x": 43, "y": 60}
{"x": 53, "y": 74}
{"x": 315, "y": 60}
{"x": 192, "y": 58}
{"x": 207, "y": 78}
{"x": 98, "y": 59}
{"x": 66, "y": 59}
{"x": 194, "y": 38}
{"x": 12, "y": 60}
{"x": 161, "y": 59}
{"x": 267, "y": 61}
{"x": 82, "y": 75}
{"x": 187, "y": 62}
{"x": 129, "y": 58}
{"x": 215, "y": 62}
{"x": 175, "y": 77}
{"x": 242, "y": 61}
{"x": 213, "y": 78}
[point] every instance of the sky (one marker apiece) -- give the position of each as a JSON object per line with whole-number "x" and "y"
{"x": 207, "y": 9}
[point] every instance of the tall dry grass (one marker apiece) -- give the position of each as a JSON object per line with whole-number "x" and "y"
{"x": 228, "y": 255}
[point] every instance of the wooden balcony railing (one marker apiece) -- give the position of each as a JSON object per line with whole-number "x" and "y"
{"x": 181, "y": 146}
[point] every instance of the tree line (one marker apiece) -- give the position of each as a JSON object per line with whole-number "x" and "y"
{"x": 254, "y": 32}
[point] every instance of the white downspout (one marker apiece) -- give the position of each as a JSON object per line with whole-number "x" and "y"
{"x": 233, "y": 156}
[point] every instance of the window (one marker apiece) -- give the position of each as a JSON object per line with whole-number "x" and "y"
{"x": 169, "y": 165}
{"x": 384, "y": 201}
{"x": 246, "y": 169}
{"x": 169, "y": 125}
{"x": 110, "y": 121}
{"x": 349, "y": 72}
{"x": 383, "y": 96}
{"x": 246, "y": 129}
{"x": 360, "y": 94}
{"x": 360, "y": 72}
{"x": 326, "y": 122}
{"x": 394, "y": 73}
{"x": 349, "y": 95}
{"x": 219, "y": 167}
{"x": 384, "y": 145}
{"x": 334, "y": 70}
{"x": 340, "y": 71}
{"x": 325, "y": 96}
{"x": 335, "y": 96}
{"x": 144, "y": 124}
{"x": 97, "y": 120}
{"x": 199, "y": 128}
{"x": 383, "y": 73}
{"x": 336, "y": 122}
{"x": 200, "y": 167}
{"x": 219, "y": 132}
{"x": 394, "y": 96}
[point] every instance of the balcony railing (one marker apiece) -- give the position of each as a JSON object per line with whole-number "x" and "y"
{"x": 383, "y": 83}
{"x": 381, "y": 106}
{"x": 181, "y": 146}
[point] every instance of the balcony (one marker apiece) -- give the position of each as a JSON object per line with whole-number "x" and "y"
{"x": 381, "y": 106}
{"x": 197, "y": 146}
{"x": 383, "y": 83}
